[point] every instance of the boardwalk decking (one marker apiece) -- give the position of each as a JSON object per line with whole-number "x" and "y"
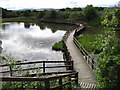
{"x": 86, "y": 75}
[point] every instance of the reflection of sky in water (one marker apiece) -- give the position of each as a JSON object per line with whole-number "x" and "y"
{"x": 30, "y": 43}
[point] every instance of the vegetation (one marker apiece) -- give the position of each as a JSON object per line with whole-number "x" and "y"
{"x": 18, "y": 20}
{"x": 58, "y": 46}
{"x": 72, "y": 14}
{"x": 88, "y": 42}
{"x": 107, "y": 48}
{"x": 109, "y": 58}
{"x": 90, "y": 12}
{"x": 29, "y": 85}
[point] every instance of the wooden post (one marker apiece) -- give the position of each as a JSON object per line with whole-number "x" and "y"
{"x": 70, "y": 87}
{"x": 10, "y": 70}
{"x": 43, "y": 66}
{"x": 92, "y": 64}
{"x": 76, "y": 76}
{"x": 60, "y": 83}
{"x": 47, "y": 85}
{"x": 72, "y": 65}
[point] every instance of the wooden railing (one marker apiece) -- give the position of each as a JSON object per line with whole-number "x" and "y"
{"x": 89, "y": 59}
{"x": 68, "y": 64}
{"x": 73, "y": 77}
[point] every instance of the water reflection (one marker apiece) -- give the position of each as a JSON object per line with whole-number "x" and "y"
{"x": 31, "y": 41}
{"x": 27, "y": 25}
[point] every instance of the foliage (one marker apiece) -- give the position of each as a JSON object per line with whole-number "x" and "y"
{"x": 27, "y": 13}
{"x": 111, "y": 18}
{"x": 58, "y": 46}
{"x": 41, "y": 14}
{"x": 109, "y": 59}
{"x": 90, "y": 43}
{"x": 8, "y": 13}
{"x": 75, "y": 16}
{"x": 90, "y": 12}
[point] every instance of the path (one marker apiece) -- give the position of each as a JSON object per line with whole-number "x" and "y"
{"x": 86, "y": 75}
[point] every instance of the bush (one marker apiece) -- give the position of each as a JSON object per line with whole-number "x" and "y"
{"x": 58, "y": 46}
{"x": 90, "y": 12}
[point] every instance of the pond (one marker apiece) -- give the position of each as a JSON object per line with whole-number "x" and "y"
{"x": 32, "y": 41}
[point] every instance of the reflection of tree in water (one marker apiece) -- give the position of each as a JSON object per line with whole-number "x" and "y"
{"x": 4, "y": 26}
{"x": 27, "y": 25}
{"x": 54, "y": 27}
{"x": 41, "y": 25}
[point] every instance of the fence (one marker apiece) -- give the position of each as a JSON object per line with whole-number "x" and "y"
{"x": 90, "y": 60}
{"x": 68, "y": 64}
{"x": 73, "y": 77}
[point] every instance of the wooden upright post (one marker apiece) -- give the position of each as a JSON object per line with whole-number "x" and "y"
{"x": 43, "y": 66}
{"x": 47, "y": 85}
{"x": 60, "y": 83}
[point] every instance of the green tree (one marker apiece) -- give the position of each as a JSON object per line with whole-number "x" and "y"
{"x": 111, "y": 18}
{"x": 27, "y": 13}
{"x": 41, "y": 14}
{"x": 76, "y": 16}
{"x": 109, "y": 59}
{"x": 90, "y": 12}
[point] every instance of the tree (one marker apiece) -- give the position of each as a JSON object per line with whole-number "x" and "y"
{"x": 90, "y": 12}
{"x": 111, "y": 18}
{"x": 50, "y": 15}
{"x": 108, "y": 65}
{"x": 76, "y": 16}
{"x": 27, "y": 13}
{"x": 41, "y": 14}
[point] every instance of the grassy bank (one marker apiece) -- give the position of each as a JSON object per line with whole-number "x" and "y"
{"x": 58, "y": 46}
{"x": 18, "y": 20}
{"x": 89, "y": 43}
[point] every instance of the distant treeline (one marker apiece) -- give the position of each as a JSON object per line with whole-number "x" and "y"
{"x": 87, "y": 13}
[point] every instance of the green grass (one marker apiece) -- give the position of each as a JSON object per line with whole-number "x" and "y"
{"x": 95, "y": 22}
{"x": 18, "y": 20}
{"x": 90, "y": 43}
{"x": 58, "y": 46}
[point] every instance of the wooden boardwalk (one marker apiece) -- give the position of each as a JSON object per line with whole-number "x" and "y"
{"x": 86, "y": 75}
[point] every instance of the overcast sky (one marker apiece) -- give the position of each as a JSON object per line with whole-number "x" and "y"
{"x": 21, "y": 4}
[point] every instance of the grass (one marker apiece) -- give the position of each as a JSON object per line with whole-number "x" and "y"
{"x": 95, "y": 22}
{"x": 90, "y": 43}
{"x": 58, "y": 46}
{"x": 18, "y": 20}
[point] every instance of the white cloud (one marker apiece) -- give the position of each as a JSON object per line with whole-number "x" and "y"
{"x": 19, "y": 4}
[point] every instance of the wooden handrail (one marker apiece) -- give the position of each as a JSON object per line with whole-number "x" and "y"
{"x": 33, "y": 62}
{"x": 46, "y": 80}
{"x": 43, "y": 67}
{"x": 90, "y": 60}
{"x": 35, "y": 78}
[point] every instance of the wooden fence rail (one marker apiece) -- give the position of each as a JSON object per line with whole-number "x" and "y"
{"x": 73, "y": 77}
{"x": 90, "y": 60}
{"x": 68, "y": 64}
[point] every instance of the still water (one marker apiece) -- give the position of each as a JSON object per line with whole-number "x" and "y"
{"x": 32, "y": 41}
